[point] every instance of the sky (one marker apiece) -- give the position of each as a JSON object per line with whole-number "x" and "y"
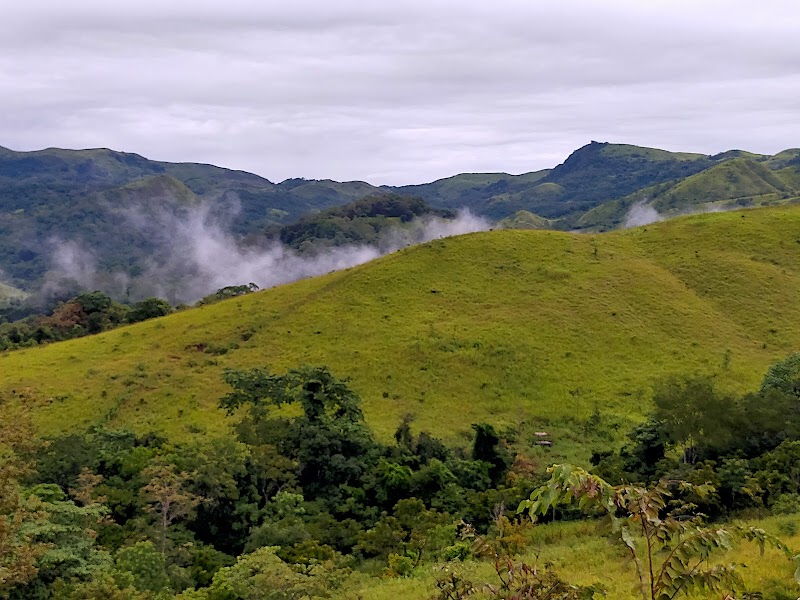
{"x": 397, "y": 92}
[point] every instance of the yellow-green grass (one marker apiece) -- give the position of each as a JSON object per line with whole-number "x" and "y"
{"x": 498, "y": 326}
{"x": 581, "y": 553}
{"x": 730, "y": 180}
{"x": 8, "y": 293}
{"x": 734, "y": 183}
{"x": 523, "y": 219}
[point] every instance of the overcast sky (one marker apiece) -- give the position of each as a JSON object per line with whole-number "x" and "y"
{"x": 397, "y": 92}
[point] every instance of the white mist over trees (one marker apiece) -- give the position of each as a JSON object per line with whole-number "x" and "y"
{"x": 198, "y": 255}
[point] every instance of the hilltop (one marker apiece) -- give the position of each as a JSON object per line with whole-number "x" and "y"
{"x": 502, "y": 326}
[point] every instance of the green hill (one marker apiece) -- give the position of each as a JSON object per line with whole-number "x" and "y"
{"x": 503, "y": 326}
{"x": 736, "y": 182}
{"x": 9, "y": 294}
{"x": 522, "y": 219}
{"x": 364, "y": 221}
{"x": 593, "y": 174}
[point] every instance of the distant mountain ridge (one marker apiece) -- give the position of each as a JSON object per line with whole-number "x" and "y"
{"x": 111, "y": 203}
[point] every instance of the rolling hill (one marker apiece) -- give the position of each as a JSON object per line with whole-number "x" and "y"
{"x": 740, "y": 180}
{"x": 505, "y": 326}
{"x": 72, "y": 220}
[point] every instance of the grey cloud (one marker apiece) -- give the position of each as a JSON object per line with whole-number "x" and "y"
{"x": 398, "y": 93}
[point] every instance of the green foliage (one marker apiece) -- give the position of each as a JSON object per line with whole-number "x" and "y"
{"x": 487, "y": 448}
{"x": 85, "y": 314}
{"x": 329, "y": 441}
{"x": 145, "y": 565}
{"x": 784, "y": 376}
{"x": 673, "y": 558}
{"x": 149, "y": 308}
{"x": 67, "y": 532}
{"x": 261, "y": 575}
{"x": 19, "y": 550}
{"x": 692, "y": 413}
{"x": 364, "y": 221}
{"x": 230, "y": 291}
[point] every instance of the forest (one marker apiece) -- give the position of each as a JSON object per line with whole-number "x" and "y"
{"x": 304, "y": 499}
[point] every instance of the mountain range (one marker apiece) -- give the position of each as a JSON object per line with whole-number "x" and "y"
{"x": 65, "y": 213}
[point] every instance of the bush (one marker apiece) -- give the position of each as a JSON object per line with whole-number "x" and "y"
{"x": 400, "y": 566}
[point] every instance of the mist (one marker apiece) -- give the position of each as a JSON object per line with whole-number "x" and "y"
{"x": 641, "y": 214}
{"x": 198, "y": 255}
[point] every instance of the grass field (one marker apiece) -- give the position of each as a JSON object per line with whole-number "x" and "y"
{"x": 581, "y": 554}
{"x": 503, "y": 326}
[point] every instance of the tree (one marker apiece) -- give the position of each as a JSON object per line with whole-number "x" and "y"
{"x": 263, "y": 576}
{"x": 67, "y": 532}
{"x": 92, "y": 302}
{"x": 673, "y": 556}
{"x": 145, "y": 566}
{"x": 488, "y": 448}
{"x": 784, "y": 376}
{"x": 18, "y": 550}
{"x": 330, "y": 442}
{"x": 230, "y": 291}
{"x": 149, "y": 308}
{"x": 167, "y": 494}
{"x": 693, "y": 414}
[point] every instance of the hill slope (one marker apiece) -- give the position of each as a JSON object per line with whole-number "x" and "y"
{"x": 498, "y": 326}
{"x": 736, "y": 182}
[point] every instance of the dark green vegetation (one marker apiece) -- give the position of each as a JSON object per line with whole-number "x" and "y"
{"x": 123, "y": 208}
{"x": 303, "y": 501}
{"x": 308, "y": 491}
{"x": 85, "y": 314}
{"x": 365, "y": 221}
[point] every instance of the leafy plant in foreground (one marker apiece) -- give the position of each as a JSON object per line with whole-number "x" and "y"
{"x": 672, "y": 552}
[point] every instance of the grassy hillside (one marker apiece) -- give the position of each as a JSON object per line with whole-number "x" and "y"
{"x": 499, "y": 326}
{"x": 9, "y": 293}
{"x": 580, "y": 553}
{"x": 735, "y": 183}
{"x": 522, "y": 219}
{"x": 737, "y": 179}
